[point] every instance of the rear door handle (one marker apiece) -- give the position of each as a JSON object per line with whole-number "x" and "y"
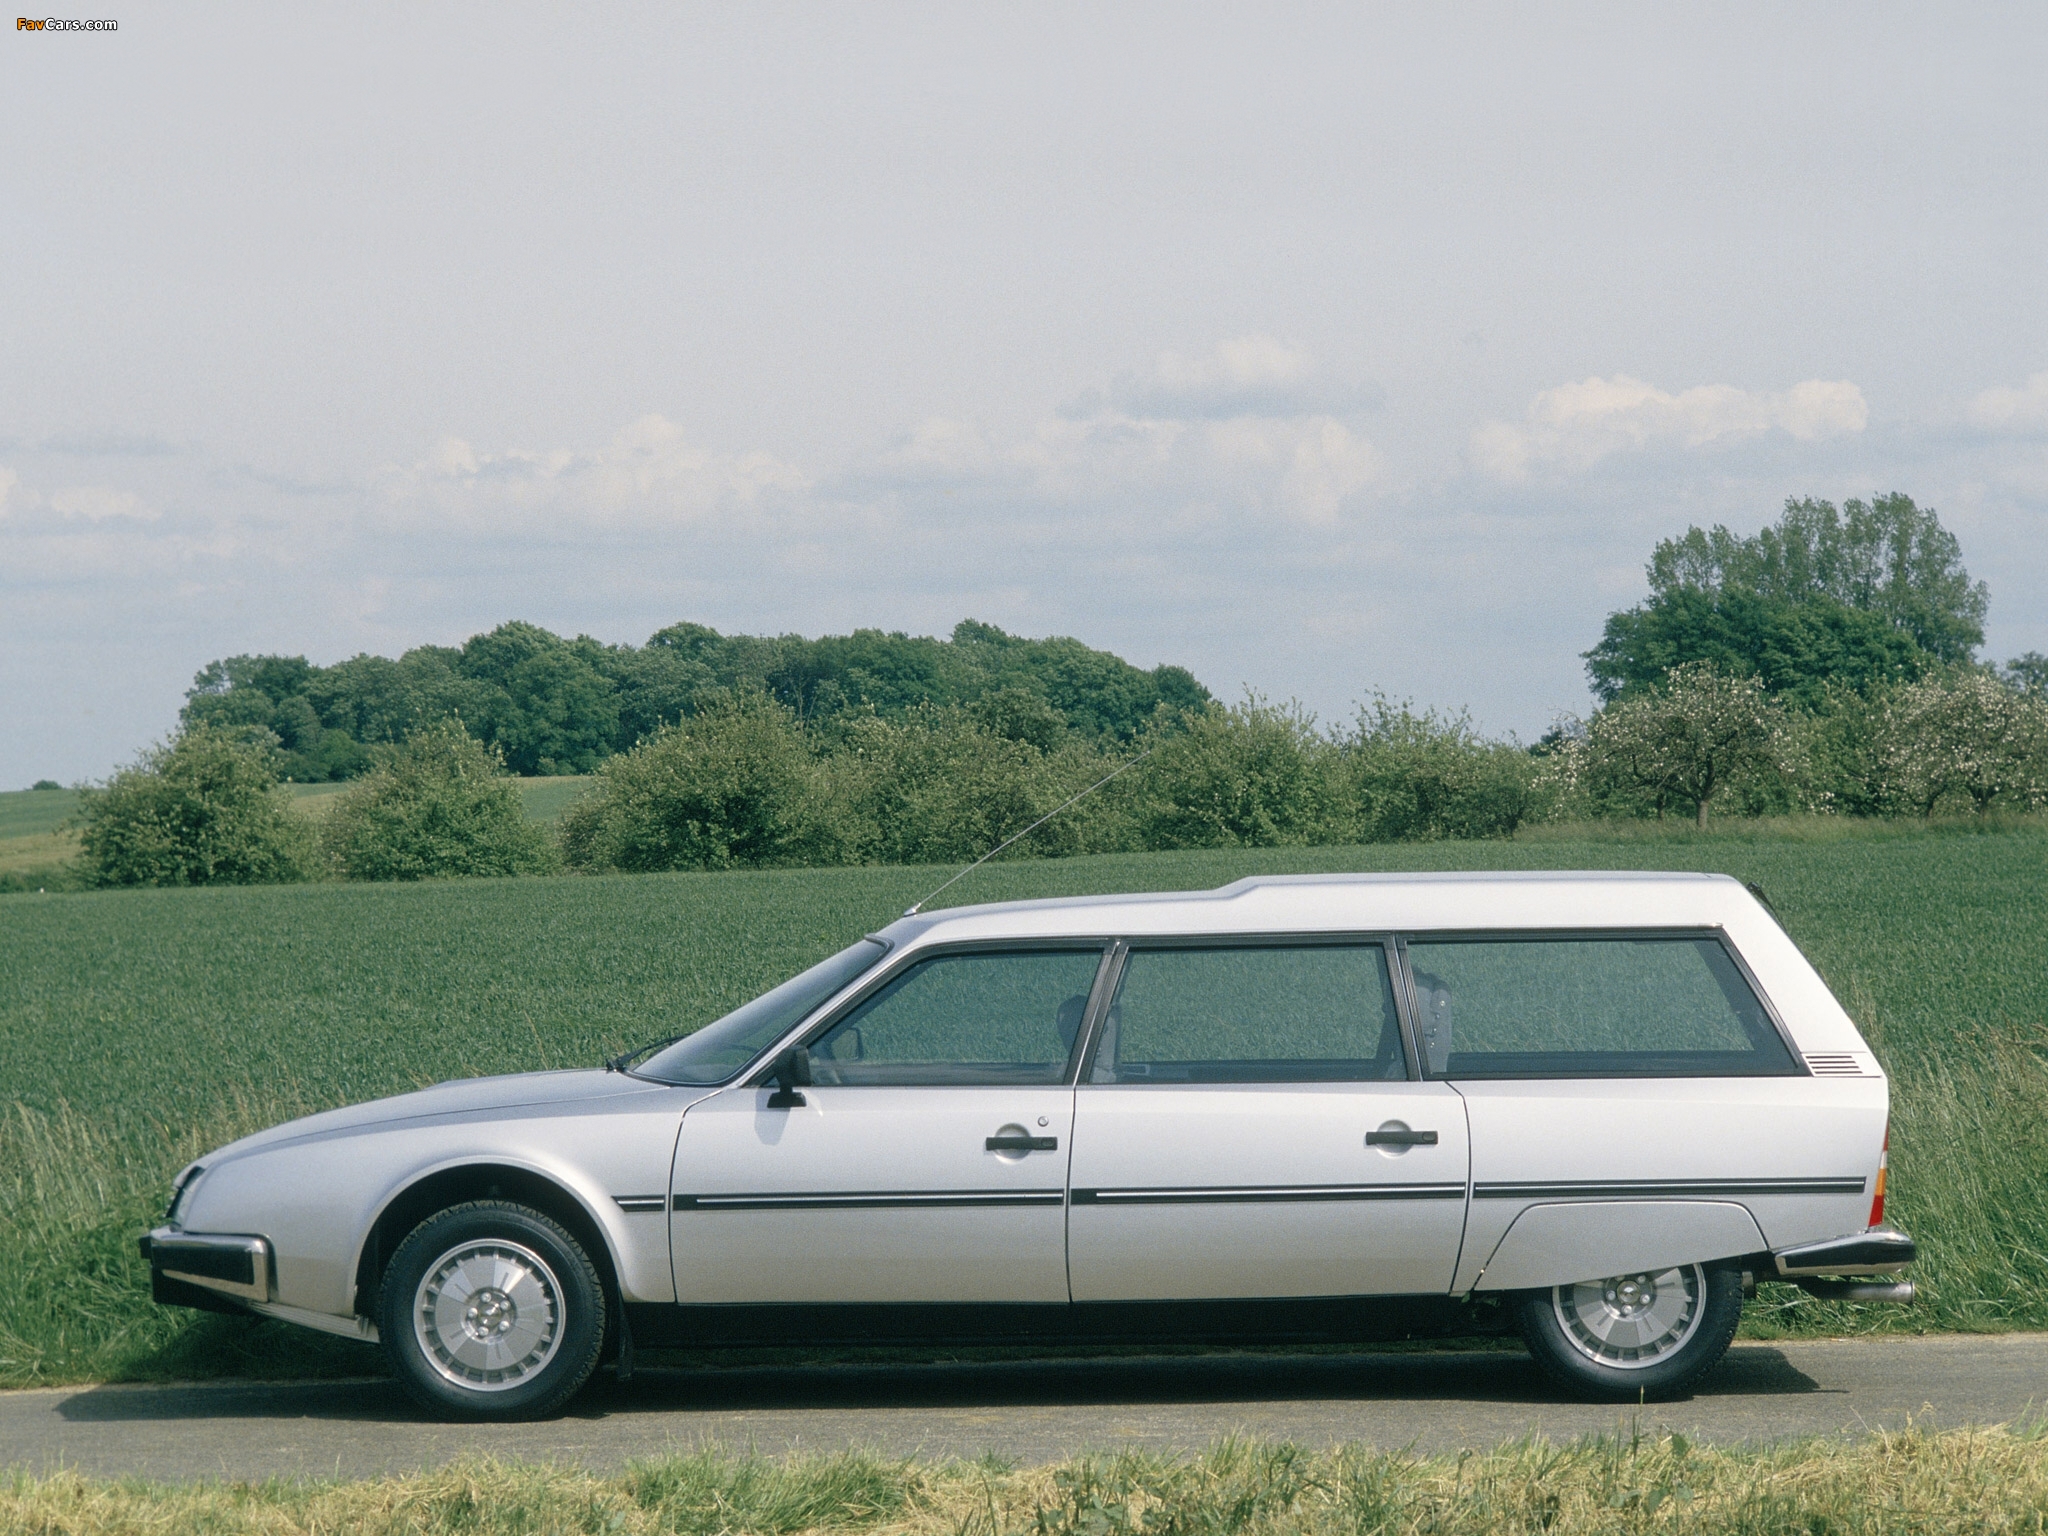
{"x": 1400, "y": 1138}
{"x": 1027, "y": 1143}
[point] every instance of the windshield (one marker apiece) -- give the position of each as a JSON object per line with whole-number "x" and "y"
{"x": 718, "y": 1051}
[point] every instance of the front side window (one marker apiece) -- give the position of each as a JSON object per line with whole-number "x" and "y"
{"x": 719, "y": 1050}
{"x": 1299, "y": 1013}
{"x": 993, "y": 1018}
{"x": 1590, "y": 1007}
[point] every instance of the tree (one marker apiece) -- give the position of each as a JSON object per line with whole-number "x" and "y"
{"x": 2028, "y": 674}
{"x": 1796, "y": 649}
{"x": 1888, "y": 557}
{"x": 1962, "y": 736}
{"x": 1689, "y": 740}
{"x": 1872, "y": 593}
{"x": 438, "y": 806}
{"x": 202, "y": 809}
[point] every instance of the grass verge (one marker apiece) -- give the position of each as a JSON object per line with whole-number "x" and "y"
{"x": 1919, "y": 1482}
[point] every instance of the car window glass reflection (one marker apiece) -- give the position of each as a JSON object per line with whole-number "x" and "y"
{"x": 1006, "y": 1017}
{"x": 1253, "y": 1014}
{"x": 1663, "y": 1007}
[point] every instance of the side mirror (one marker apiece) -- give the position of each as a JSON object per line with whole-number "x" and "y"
{"x": 792, "y": 1071}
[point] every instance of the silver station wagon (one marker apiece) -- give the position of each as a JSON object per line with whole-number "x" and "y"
{"x": 1594, "y": 1108}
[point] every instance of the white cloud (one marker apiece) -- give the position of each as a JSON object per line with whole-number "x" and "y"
{"x": 1207, "y": 440}
{"x": 1243, "y": 363}
{"x": 648, "y": 475}
{"x": 2013, "y": 410}
{"x": 8, "y": 481}
{"x": 97, "y": 503}
{"x": 1576, "y": 425}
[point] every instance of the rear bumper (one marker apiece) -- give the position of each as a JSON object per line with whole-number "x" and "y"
{"x": 223, "y": 1269}
{"x": 1863, "y": 1266}
{"x": 1879, "y": 1251}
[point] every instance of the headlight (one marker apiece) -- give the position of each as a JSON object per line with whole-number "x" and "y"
{"x": 185, "y": 1182}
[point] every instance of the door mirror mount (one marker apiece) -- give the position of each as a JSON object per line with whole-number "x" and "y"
{"x": 792, "y": 1071}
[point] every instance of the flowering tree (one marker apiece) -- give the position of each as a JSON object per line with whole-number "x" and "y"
{"x": 1966, "y": 735}
{"x": 1688, "y": 740}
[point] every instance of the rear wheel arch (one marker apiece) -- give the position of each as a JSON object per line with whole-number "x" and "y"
{"x": 446, "y": 1187}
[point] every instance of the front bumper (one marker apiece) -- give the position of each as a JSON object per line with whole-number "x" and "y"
{"x": 1859, "y": 1267}
{"x": 219, "y": 1269}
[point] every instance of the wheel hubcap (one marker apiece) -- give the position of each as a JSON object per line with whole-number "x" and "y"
{"x": 1632, "y": 1321}
{"x": 488, "y": 1315}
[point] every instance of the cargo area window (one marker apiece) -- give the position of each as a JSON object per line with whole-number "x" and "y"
{"x": 1589, "y": 1007}
{"x": 1306, "y": 1013}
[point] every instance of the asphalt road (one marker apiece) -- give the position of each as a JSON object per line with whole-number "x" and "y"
{"x": 1030, "y": 1411}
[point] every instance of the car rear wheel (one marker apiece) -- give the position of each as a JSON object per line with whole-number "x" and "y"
{"x": 492, "y": 1310}
{"x": 1628, "y": 1337}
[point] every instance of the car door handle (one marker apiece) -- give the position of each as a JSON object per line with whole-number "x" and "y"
{"x": 1400, "y": 1138}
{"x": 1023, "y": 1143}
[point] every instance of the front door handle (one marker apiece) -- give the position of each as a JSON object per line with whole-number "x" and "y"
{"x": 1023, "y": 1143}
{"x": 1400, "y": 1138}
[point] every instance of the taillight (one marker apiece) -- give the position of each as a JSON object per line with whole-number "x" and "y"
{"x": 1883, "y": 1156}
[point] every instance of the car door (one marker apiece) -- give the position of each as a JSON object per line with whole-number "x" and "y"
{"x": 1247, "y": 1126}
{"x": 1629, "y": 1093}
{"x": 927, "y": 1161}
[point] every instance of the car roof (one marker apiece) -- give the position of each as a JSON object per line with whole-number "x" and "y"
{"x": 1362, "y": 903}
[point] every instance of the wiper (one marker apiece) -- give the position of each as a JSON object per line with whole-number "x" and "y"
{"x": 619, "y": 1062}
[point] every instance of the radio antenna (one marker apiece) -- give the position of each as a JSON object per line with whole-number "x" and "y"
{"x": 916, "y": 907}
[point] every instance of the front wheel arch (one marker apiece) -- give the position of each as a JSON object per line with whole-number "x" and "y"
{"x": 446, "y": 1187}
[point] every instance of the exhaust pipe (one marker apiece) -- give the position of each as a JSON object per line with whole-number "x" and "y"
{"x": 1897, "y": 1291}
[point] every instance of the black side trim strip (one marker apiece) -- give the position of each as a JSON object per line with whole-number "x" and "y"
{"x": 910, "y": 1200}
{"x": 1638, "y": 1189}
{"x": 1280, "y": 1194}
{"x": 641, "y": 1202}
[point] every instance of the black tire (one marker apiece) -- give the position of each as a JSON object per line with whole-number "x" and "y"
{"x": 492, "y": 1310}
{"x": 1700, "y": 1307}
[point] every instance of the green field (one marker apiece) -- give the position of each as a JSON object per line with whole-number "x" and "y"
{"x": 144, "y": 1026}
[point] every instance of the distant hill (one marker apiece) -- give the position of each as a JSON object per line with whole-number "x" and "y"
{"x": 561, "y": 706}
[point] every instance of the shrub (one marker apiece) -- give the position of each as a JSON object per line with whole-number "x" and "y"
{"x": 1418, "y": 778}
{"x": 46, "y": 784}
{"x": 438, "y": 806}
{"x": 203, "y": 809}
{"x": 726, "y": 788}
{"x": 1254, "y": 775}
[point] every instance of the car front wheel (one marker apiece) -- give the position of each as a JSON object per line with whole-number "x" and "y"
{"x": 492, "y": 1310}
{"x": 1630, "y": 1337}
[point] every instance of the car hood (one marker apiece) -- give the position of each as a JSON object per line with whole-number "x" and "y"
{"x": 464, "y": 1096}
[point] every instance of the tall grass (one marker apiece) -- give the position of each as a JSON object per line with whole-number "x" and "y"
{"x": 143, "y": 1027}
{"x": 1625, "y": 1484}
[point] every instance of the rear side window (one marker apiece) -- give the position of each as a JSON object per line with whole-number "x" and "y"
{"x": 1252, "y": 1014}
{"x": 1622, "y": 1007}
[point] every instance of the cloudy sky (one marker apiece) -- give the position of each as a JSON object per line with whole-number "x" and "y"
{"x": 1323, "y": 349}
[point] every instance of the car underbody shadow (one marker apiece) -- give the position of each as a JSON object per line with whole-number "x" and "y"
{"x": 1501, "y": 1376}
